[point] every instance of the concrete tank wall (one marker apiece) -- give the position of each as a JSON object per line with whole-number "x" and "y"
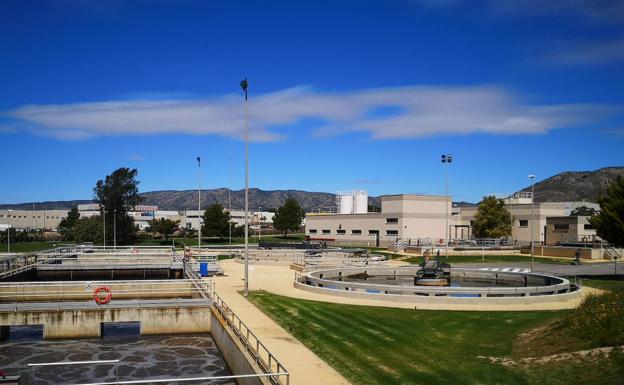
{"x": 87, "y": 323}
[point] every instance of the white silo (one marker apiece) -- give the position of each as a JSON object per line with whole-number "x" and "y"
{"x": 345, "y": 202}
{"x": 360, "y": 202}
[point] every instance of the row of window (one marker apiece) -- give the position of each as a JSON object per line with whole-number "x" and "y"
{"x": 353, "y": 232}
{"x": 566, "y": 226}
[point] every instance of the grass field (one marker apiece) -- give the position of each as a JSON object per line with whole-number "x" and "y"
{"x": 375, "y": 345}
{"x": 610, "y": 285}
{"x": 26, "y": 247}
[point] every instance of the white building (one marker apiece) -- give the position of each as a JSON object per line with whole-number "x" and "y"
{"x": 32, "y": 219}
{"x": 401, "y": 217}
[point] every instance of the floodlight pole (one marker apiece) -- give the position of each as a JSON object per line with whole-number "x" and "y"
{"x": 446, "y": 159}
{"x": 199, "y": 222}
{"x": 244, "y": 85}
{"x": 532, "y": 177}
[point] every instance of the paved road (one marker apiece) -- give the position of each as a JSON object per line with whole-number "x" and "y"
{"x": 606, "y": 268}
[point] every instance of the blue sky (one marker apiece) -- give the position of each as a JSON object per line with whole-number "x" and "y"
{"x": 343, "y": 95}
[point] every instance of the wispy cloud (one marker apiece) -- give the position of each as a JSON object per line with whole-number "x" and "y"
{"x": 137, "y": 157}
{"x": 409, "y": 112}
{"x": 582, "y": 53}
{"x": 367, "y": 181}
{"x": 598, "y": 10}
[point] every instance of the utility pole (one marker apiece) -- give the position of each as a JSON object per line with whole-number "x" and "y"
{"x": 244, "y": 85}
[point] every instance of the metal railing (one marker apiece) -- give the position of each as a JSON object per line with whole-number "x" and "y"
{"x": 62, "y": 295}
{"x": 263, "y": 357}
{"x": 332, "y": 279}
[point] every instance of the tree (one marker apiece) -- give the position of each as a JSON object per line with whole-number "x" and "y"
{"x": 609, "y": 223}
{"x": 116, "y": 194}
{"x": 583, "y": 211}
{"x": 492, "y": 219}
{"x": 88, "y": 229}
{"x": 289, "y": 216}
{"x": 216, "y": 221}
{"x": 67, "y": 224}
{"x": 164, "y": 226}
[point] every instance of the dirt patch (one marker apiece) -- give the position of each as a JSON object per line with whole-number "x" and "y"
{"x": 584, "y": 355}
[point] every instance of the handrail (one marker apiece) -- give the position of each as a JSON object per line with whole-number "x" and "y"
{"x": 258, "y": 350}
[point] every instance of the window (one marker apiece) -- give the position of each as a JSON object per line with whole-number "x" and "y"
{"x": 562, "y": 226}
{"x": 392, "y": 232}
{"x": 312, "y": 231}
{"x": 326, "y": 232}
{"x": 341, "y": 232}
{"x": 523, "y": 223}
{"x": 587, "y": 226}
{"x": 373, "y": 232}
{"x": 392, "y": 220}
{"x": 356, "y": 232}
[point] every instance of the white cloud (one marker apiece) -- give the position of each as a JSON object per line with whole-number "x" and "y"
{"x": 585, "y": 53}
{"x": 419, "y": 111}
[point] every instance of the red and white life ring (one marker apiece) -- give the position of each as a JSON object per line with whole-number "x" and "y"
{"x": 440, "y": 241}
{"x": 102, "y": 300}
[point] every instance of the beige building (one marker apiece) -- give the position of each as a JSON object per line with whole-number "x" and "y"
{"x": 560, "y": 230}
{"x": 401, "y": 217}
{"x": 32, "y": 219}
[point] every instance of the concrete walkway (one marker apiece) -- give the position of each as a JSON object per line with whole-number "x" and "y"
{"x": 304, "y": 366}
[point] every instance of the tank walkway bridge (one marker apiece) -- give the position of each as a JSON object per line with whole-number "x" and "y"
{"x": 75, "y": 261}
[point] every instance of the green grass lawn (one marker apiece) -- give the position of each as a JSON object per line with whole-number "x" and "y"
{"x": 376, "y": 345}
{"x": 604, "y": 284}
{"x": 26, "y": 247}
{"x": 492, "y": 258}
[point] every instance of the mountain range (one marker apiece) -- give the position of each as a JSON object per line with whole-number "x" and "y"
{"x": 564, "y": 187}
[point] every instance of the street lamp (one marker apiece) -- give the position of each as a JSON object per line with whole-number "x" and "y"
{"x": 532, "y": 178}
{"x": 115, "y": 229}
{"x": 244, "y": 85}
{"x": 446, "y": 159}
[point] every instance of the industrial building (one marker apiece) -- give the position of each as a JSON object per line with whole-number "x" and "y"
{"x": 422, "y": 219}
{"x": 32, "y": 219}
{"x": 401, "y": 217}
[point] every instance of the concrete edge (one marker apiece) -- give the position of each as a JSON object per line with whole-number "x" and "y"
{"x": 234, "y": 353}
{"x": 561, "y": 301}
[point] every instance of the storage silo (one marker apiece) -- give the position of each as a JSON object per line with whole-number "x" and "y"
{"x": 345, "y": 202}
{"x": 360, "y": 202}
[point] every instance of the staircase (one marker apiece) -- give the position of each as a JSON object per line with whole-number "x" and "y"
{"x": 611, "y": 252}
{"x": 400, "y": 244}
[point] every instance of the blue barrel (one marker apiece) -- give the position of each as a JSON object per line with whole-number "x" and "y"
{"x": 203, "y": 269}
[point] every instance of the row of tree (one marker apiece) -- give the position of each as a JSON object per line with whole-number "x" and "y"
{"x": 119, "y": 192}
{"x": 217, "y": 221}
